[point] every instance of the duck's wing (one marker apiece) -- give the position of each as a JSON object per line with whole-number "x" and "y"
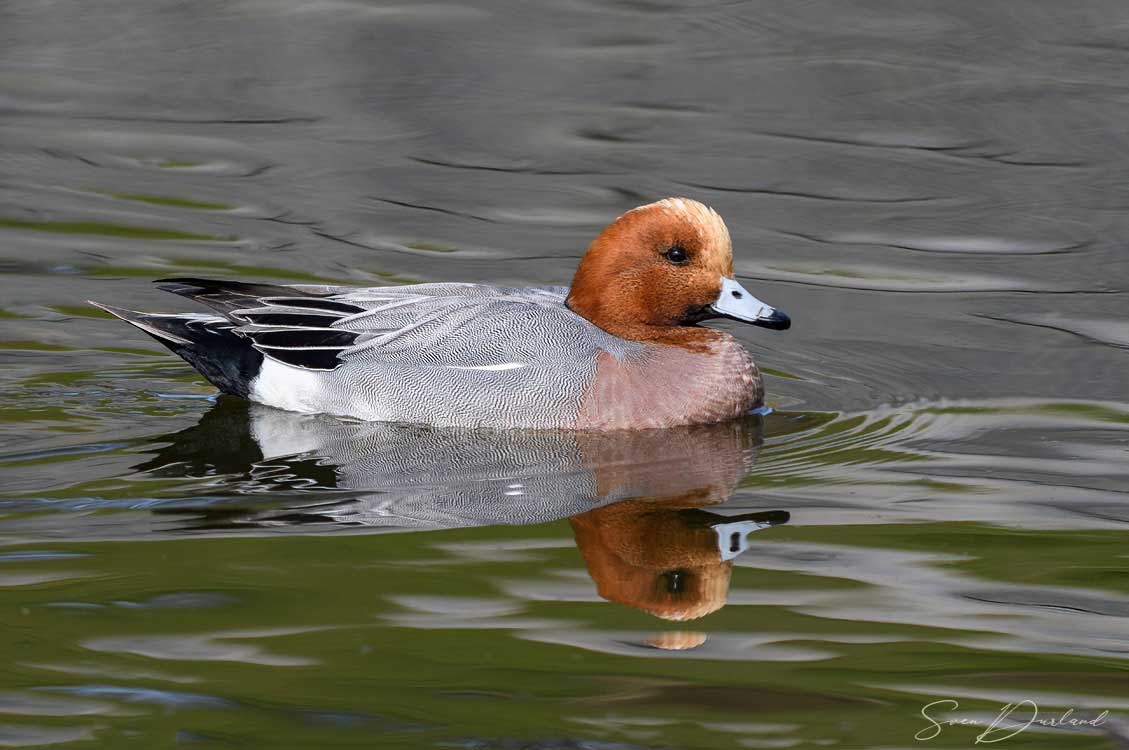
{"x": 292, "y": 324}
{"x": 456, "y": 326}
{"x": 449, "y": 354}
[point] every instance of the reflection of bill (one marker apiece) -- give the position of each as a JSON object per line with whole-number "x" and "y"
{"x": 677, "y": 640}
{"x": 668, "y": 558}
{"x": 1013, "y": 719}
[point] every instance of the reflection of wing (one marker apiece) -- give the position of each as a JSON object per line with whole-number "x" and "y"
{"x": 309, "y": 467}
{"x": 421, "y": 477}
{"x": 440, "y": 478}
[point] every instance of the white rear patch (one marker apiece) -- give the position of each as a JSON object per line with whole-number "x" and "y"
{"x": 286, "y": 387}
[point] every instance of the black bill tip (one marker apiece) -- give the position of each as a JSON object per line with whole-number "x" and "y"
{"x": 778, "y": 321}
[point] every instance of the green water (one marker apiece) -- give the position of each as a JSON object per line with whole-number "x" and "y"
{"x": 215, "y": 594}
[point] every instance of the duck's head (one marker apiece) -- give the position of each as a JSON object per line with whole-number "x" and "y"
{"x": 660, "y": 266}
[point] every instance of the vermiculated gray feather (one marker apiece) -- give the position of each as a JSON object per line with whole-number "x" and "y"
{"x": 446, "y": 354}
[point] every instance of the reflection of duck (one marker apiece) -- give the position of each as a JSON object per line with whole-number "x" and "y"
{"x": 634, "y": 499}
{"x": 668, "y": 558}
{"x": 402, "y": 476}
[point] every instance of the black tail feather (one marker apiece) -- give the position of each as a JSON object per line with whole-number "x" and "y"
{"x": 224, "y": 296}
{"x": 210, "y": 345}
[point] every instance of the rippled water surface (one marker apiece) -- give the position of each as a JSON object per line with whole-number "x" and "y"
{"x": 934, "y": 511}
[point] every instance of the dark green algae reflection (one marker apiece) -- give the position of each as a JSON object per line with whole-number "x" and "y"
{"x": 224, "y": 584}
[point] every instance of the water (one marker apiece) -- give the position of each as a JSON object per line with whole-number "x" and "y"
{"x": 935, "y": 509}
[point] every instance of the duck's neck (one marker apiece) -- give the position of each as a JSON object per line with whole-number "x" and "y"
{"x": 692, "y": 338}
{"x": 686, "y": 337}
{"x": 624, "y": 327}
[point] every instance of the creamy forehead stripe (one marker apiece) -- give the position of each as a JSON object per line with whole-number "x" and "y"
{"x": 697, "y": 213}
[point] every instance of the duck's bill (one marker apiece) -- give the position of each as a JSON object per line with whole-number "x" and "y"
{"x": 736, "y": 302}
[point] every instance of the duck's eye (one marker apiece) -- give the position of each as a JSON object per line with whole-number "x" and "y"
{"x": 677, "y": 255}
{"x": 675, "y": 581}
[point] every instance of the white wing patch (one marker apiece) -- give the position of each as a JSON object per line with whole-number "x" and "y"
{"x": 489, "y": 368}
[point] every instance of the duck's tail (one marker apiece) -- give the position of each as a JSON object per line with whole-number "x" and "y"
{"x": 206, "y": 342}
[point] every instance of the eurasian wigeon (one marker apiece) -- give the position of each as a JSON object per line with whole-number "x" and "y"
{"x": 619, "y": 349}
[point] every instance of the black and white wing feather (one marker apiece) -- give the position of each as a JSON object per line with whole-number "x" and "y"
{"x": 446, "y": 354}
{"x": 294, "y": 325}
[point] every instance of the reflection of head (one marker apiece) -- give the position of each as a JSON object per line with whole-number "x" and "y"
{"x": 666, "y": 558}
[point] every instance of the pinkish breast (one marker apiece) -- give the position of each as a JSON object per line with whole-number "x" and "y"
{"x": 670, "y": 385}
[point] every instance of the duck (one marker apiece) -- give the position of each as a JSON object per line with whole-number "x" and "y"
{"x": 621, "y": 348}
